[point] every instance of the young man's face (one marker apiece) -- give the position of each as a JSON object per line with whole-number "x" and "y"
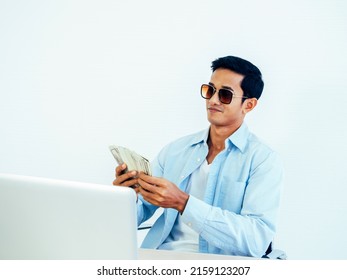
{"x": 220, "y": 114}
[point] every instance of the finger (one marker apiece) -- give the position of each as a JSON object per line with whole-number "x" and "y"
{"x": 148, "y": 196}
{"x": 149, "y": 179}
{"x": 127, "y": 176}
{"x": 118, "y": 182}
{"x": 147, "y": 187}
{"x": 137, "y": 190}
{"x": 130, "y": 183}
{"x": 120, "y": 169}
{"x": 127, "y": 179}
{"x": 127, "y": 183}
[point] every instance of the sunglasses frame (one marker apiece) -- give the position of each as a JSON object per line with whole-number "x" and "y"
{"x": 232, "y": 94}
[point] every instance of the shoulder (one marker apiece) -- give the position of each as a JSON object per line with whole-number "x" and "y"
{"x": 260, "y": 151}
{"x": 182, "y": 146}
{"x": 256, "y": 143}
{"x": 188, "y": 140}
{"x": 171, "y": 158}
{"x": 247, "y": 142}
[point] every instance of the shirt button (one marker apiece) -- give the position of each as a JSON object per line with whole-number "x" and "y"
{"x": 182, "y": 176}
{"x": 198, "y": 159}
{"x": 189, "y": 224}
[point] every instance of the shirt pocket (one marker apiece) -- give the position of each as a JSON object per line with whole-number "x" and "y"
{"x": 231, "y": 195}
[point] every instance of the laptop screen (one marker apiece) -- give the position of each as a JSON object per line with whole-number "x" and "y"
{"x": 44, "y": 218}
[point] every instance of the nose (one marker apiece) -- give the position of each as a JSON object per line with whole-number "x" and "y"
{"x": 214, "y": 99}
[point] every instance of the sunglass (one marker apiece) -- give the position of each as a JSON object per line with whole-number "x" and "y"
{"x": 225, "y": 95}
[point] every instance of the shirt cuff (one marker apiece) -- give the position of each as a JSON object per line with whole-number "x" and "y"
{"x": 195, "y": 213}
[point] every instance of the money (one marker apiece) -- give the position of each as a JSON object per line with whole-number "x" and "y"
{"x": 133, "y": 160}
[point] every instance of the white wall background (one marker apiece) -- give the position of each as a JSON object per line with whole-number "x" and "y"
{"x": 76, "y": 76}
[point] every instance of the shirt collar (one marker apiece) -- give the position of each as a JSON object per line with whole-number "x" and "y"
{"x": 201, "y": 137}
{"x": 238, "y": 138}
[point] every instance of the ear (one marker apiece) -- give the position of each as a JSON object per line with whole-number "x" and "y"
{"x": 249, "y": 104}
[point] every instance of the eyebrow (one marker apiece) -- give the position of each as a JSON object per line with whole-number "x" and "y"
{"x": 224, "y": 87}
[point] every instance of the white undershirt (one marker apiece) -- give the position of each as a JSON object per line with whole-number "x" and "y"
{"x": 182, "y": 237}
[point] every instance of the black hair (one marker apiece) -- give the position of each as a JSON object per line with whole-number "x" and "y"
{"x": 252, "y": 84}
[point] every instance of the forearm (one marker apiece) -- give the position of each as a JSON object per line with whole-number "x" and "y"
{"x": 233, "y": 233}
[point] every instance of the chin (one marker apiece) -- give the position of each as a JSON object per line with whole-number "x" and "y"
{"x": 214, "y": 121}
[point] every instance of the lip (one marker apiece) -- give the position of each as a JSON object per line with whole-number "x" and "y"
{"x": 214, "y": 109}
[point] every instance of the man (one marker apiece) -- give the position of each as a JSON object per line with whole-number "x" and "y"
{"x": 220, "y": 188}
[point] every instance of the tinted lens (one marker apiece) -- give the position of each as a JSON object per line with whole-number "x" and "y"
{"x": 225, "y": 96}
{"x": 207, "y": 91}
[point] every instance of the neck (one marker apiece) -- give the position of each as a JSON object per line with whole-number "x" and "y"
{"x": 218, "y": 135}
{"x": 216, "y": 140}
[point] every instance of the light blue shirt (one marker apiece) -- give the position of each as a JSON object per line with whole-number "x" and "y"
{"x": 238, "y": 213}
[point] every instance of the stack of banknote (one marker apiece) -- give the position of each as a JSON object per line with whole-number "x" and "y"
{"x": 133, "y": 160}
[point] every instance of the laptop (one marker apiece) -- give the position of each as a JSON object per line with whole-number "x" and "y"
{"x": 43, "y": 218}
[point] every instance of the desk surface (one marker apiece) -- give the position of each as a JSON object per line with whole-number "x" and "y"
{"x": 150, "y": 254}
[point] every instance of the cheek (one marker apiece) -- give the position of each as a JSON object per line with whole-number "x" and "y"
{"x": 233, "y": 112}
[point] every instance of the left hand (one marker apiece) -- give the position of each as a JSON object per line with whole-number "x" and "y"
{"x": 162, "y": 193}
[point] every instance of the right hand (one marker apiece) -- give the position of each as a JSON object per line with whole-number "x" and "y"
{"x": 128, "y": 179}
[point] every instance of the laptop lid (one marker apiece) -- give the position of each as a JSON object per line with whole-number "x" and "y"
{"x": 44, "y": 218}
